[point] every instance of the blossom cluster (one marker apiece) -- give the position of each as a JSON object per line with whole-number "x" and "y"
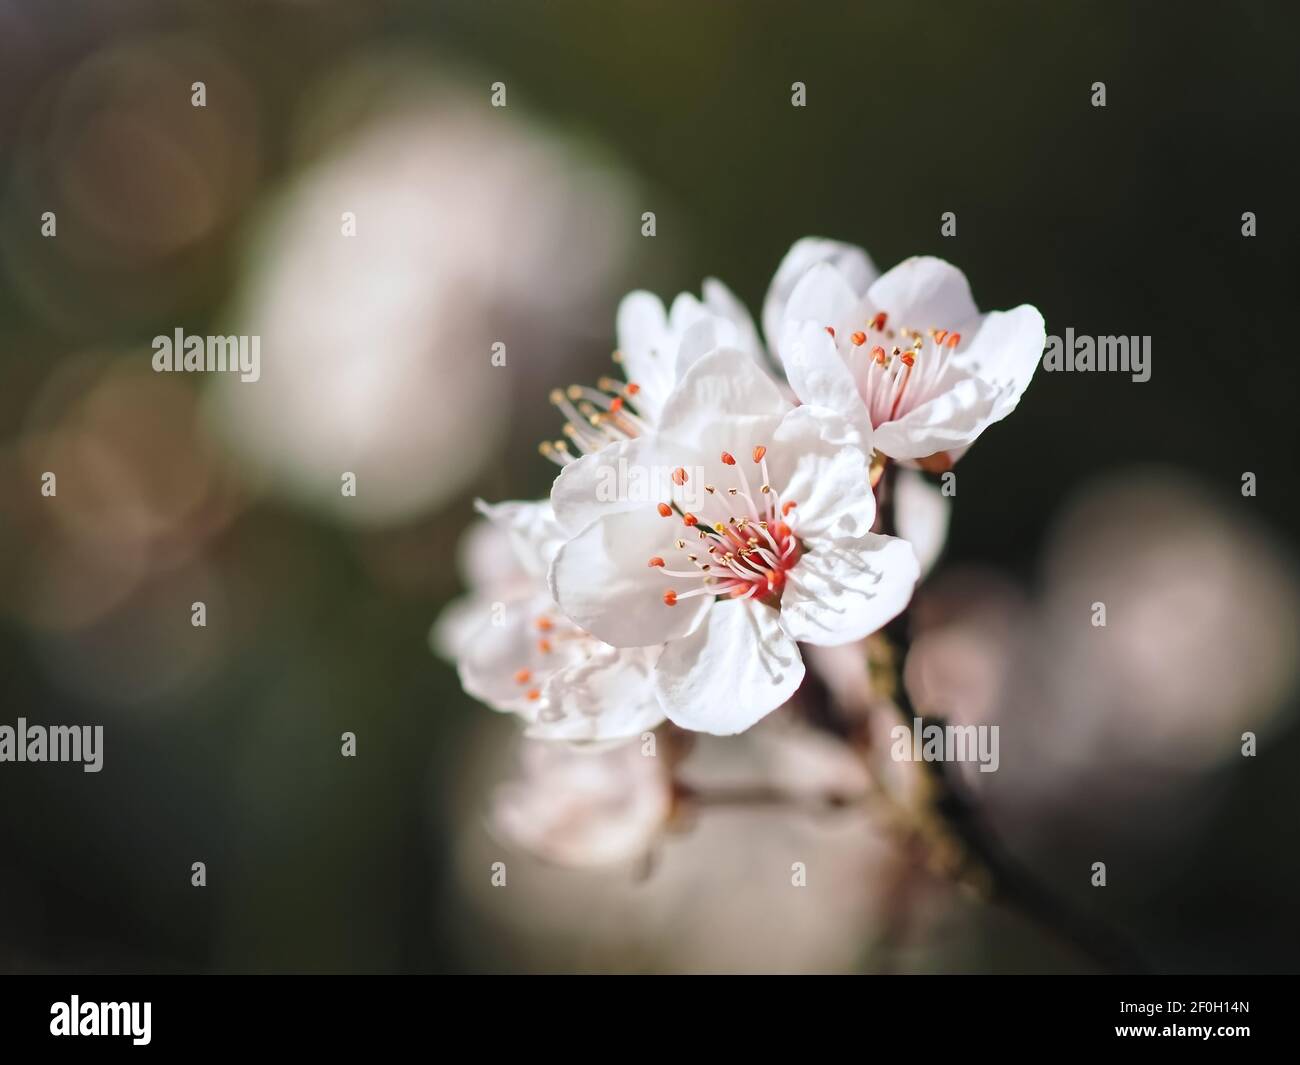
{"x": 596, "y": 615}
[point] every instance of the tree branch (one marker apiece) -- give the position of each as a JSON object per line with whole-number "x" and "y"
{"x": 984, "y": 861}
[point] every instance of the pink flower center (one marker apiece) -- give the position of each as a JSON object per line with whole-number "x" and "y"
{"x": 895, "y": 370}
{"x": 741, "y": 545}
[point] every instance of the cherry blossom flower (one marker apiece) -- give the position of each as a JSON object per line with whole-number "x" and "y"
{"x": 778, "y": 551}
{"x": 518, "y": 654}
{"x": 914, "y": 357}
{"x": 656, "y": 345}
{"x": 580, "y": 808}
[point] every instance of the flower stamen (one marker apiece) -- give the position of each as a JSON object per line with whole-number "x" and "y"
{"x": 749, "y": 553}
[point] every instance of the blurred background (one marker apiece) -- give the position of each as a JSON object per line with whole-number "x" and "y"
{"x": 522, "y": 225}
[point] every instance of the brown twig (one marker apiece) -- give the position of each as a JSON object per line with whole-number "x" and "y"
{"x": 982, "y": 859}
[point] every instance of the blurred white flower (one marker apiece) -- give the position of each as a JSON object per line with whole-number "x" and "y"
{"x": 846, "y": 674}
{"x": 804, "y": 762}
{"x": 921, "y": 516}
{"x": 517, "y": 653}
{"x": 1202, "y": 619}
{"x": 579, "y": 807}
{"x": 716, "y": 893}
{"x": 376, "y": 347}
{"x": 502, "y": 558}
{"x": 969, "y": 651}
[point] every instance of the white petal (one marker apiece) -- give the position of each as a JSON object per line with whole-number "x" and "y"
{"x": 817, "y": 459}
{"x": 628, "y": 475}
{"x": 822, "y": 296}
{"x": 685, "y": 310}
{"x": 843, "y": 590}
{"x": 732, "y": 324}
{"x": 723, "y": 303}
{"x": 601, "y": 580}
{"x": 532, "y": 530}
{"x": 698, "y": 340}
{"x": 922, "y": 292}
{"x": 721, "y": 322}
{"x": 723, "y": 386}
{"x": 457, "y": 623}
{"x": 649, "y": 349}
{"x": 818, "y": 373}
{"x": 493, "y": 654}
{"x": 735, "y": 669}
{"x": 853, "y": 264}
{"x": 584, "y": 808}
{"x": 1005, "y": 352}
{"x": 610, "y": 695}
{"x": 484, "y": 557}
{"x": 953, "y": 419}
{"x": 659, "y": 345}
{"x": 921, "y": 516}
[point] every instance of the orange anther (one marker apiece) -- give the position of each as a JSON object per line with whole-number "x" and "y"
{"x": 830, "y": 330}
{"x": 523, "y": 676}
{"x": 616, "y": 404}
{"x": 788, "y": 506}
{"x": 759, "y": 452}
{"x": 858, "y": 339}
{"x": 656, "y": 561}
{"x": 544, "y": 646}
{"x": 728, "y": 458}
{"x": 670, "y": 598}
{"x": 878, "y": 322}
{"x": 680, "y": 476}
{"x": 954, "y": 340}
{"x": 690, "y": 519}
{"x": 633, "y": 388}
{"x": 665, "y": 510}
